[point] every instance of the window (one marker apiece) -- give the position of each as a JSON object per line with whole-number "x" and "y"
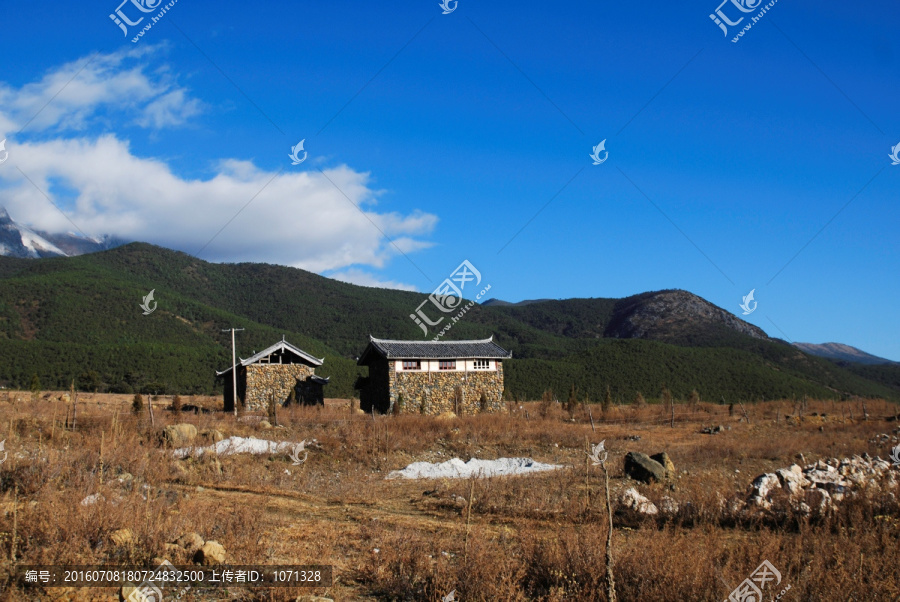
{"x": 412, "y": 364}
{"x": 482, "y": 364}
{"x": 447, "y": 365}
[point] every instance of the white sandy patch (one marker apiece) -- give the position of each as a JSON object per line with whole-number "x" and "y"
{"x": 237, "y": 445}
{"x": 457, "y": 469}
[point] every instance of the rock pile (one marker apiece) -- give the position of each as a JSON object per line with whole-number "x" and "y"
{"x": 884, "y": 438}
{"x": 822, "y": 484}
{"x": 191, "y": 546}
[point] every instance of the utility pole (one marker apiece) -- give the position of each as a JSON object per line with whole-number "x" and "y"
{"x": 233, "y": 368}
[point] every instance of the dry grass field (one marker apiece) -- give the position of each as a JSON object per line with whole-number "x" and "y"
{"x": 535, "y": 537}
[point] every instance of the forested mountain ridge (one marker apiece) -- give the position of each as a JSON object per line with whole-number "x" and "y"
{"x": 79, "y": 318}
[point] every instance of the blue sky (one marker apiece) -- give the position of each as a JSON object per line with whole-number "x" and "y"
{"x": 446, "y": 134}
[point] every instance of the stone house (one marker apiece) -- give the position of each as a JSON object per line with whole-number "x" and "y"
{"x": 275, "y": 370}
{"x": 432, "y": 377}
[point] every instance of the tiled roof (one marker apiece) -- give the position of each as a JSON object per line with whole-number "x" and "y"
{"x": 481, "y": 349}
{"x": 280, "y": 345}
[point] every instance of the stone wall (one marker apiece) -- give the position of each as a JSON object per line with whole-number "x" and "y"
{"x": 434, "y": 393}
{"x": 264, "y": 379}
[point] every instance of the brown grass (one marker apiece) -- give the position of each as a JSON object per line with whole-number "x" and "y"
{"x": 540, "y": 537}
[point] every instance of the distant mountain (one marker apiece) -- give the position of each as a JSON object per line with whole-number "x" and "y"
{"x": 675, "y": 316}
{"x": 841, "y": 352}
{"x": 502, "y": 303}
{"x": 21, "y": 241}
{"x": 79, "y": 318}
{"x": 671, "y": 316}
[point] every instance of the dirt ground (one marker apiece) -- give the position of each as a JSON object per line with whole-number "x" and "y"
{"x": 540, "y": 537}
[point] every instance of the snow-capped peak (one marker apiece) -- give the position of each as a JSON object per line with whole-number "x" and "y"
{"x": 17, "y": 240}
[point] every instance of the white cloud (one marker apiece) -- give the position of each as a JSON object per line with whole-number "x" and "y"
{"x": 295, "y": 218}
{"x": 74, "y": 95}
{"x": 298, "y": 217}
{"x": 169, "y": 110}
{"x": 357, "y": 276}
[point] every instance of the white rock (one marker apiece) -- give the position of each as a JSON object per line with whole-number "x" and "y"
{"x": 633, "y": 500}
{"x": 760, "y": 501}
{"x": 237, "y": 445}
{"x": 827, "y": 480}
{"x": 92, "y": 499}
{"x": 765, "y": 483}
{"x": 792, "y": 480}
{"x": 668, "y": 505}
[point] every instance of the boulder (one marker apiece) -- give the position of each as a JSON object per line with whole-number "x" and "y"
{"x": 122, "y": 537}
{"x": 265, "y": 424}
{"x": 792, "y": 480}
{"x": 830, "y": 480}
{"x": 212, "y": 435}
{"x": 174, "y": 552}
{"x": 190, "y": 542}
{"x": 641, "y": 467}
{"x": 210, "y": 554}
{"x": 666, "y": 462}
{"x": 764, "y": 484}
{"x": 634, "y": 501}
{"x": 178, "y": 435}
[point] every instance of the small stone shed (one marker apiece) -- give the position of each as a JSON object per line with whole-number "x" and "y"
{"x": 432, "y": 377}
{"x": 311, "y": 392}
{"x": 277, "y": 369}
